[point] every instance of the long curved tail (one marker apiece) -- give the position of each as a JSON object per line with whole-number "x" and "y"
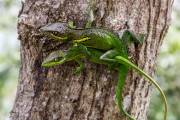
{"x": 128, "y": 63}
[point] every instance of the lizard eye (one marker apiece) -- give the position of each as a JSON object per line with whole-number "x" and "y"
{"x": 57, "y": 59}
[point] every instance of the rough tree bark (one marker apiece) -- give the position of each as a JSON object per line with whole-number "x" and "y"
{"x": 56, "y": 93}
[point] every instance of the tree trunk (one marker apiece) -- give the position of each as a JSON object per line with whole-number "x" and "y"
{"x": 58, "y": 94}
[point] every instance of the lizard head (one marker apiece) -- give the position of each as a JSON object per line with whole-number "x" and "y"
{"x": 54, "y": 58}
{"x": 55, "y": 30}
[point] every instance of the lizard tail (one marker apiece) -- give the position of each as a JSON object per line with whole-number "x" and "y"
{"x": 128, "y": 63}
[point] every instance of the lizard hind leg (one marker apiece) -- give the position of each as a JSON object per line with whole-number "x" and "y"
{"x": 126, "y": 62}
{"x": 123, "y": 71}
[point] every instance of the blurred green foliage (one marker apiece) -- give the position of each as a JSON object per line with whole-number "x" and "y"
{"x": 9, "y": 56}
{"x": 168, "y": 65}
{"x": 168, "y": 71}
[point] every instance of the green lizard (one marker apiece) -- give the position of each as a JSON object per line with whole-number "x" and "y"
{"x": 96, "y": 39}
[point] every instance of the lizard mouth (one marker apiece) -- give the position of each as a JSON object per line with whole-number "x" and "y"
{"x": 55, "y": 35}
{"x": 50, "y": 33}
